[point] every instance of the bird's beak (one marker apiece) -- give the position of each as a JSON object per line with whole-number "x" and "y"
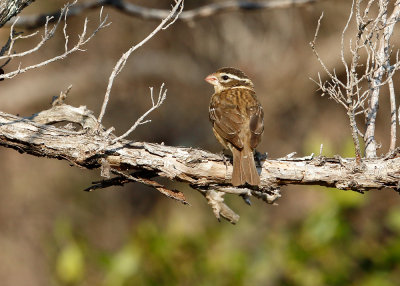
{"x": 211, "y": 79}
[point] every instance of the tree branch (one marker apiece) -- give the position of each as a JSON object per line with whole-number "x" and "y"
{"x": 35, "y": 21}
{"x": 171, "y": 18}
{"x": 7, "y": 53}
{"x": 372, "y": 45}
{"x": 11, "y": 8}
{"x": 141, "y": 120}
{"x": 383, "y": 63}
{"x": 393, "y": 116}
{"x": 90, "y": 146}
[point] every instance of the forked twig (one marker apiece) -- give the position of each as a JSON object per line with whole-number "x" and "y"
{"x": 372, "y": 42}
{"x": 141, "y": 120}
{"x": 122, "y": 61}
{"x": 8, "y": 54}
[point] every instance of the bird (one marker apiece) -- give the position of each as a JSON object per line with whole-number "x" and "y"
{"x": 237, "y": 119}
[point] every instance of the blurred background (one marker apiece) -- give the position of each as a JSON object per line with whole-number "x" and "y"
{"x": 53, "y": 233}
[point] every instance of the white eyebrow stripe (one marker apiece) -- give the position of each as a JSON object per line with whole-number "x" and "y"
{"x": 236, "y": 77}
{"x": 243, "y": 87}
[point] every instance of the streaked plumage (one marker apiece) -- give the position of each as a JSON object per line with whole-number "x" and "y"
{"x": 238, "y": 121}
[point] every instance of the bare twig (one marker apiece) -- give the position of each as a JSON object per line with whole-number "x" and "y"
{"x": 60, "y": 99}
{"x": 83, "y": 38}
{"x": 155, "y": 104}
{"x": 393, "y": 116}
{"x": 373, "y": 42}
{"x": 341, "y": 92}
{"x": 126, "y": 178}
{"x": 122, "y": 61}
{"x": 35, "y": 21}
{"x": 312, "y": 44}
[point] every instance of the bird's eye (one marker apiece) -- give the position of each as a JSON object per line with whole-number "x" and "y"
{"x": 225, "y": 77}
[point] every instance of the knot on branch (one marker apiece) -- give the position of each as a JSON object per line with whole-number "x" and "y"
{"x": 63, "y": 113}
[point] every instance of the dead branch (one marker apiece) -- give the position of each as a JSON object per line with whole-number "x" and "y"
{"x": 165, "y": 23}
{"x": 84, "y": 142}
{"x": 369, "y": 65}
{"x": 90, "y": 146}
{"x": 393, "y": 116}
{"x": 382, "y": 55}
{"x": 141, "y": 120}
{"x": 35, "y": 21}
{"x": 342, "y": 93}
{"x": 11, "y": 8}
{"x": 7, "y": 53}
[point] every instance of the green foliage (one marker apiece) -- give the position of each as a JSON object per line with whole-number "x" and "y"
{"x": 69, "y": 264}
{"x": 337, "y": 242}
{"x": 123, "y": 265}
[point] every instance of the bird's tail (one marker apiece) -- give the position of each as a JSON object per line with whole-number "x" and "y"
{"x": 244, "y": 168}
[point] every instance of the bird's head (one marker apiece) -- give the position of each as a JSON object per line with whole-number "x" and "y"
{"x": 227, "y": 78}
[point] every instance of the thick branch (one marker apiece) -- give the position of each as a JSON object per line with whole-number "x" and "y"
{"x": 11, "y": 8}
{"x": 91, "y": 145}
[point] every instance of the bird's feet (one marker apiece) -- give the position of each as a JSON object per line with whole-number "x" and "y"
{"x": 226, "y": 159}
{"x": 260, "y": 156}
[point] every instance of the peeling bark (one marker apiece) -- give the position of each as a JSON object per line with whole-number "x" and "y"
{"x": 11, "y": 8}
{"x": 85, "y": 143}
{"x": 89, "y": 145}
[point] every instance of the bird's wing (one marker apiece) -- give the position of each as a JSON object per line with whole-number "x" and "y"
{"x": 256, "y": 115}
{"x": 227, "y": 121}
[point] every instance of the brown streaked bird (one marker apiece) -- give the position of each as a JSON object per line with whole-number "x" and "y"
{"x": 238, "y": 121}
